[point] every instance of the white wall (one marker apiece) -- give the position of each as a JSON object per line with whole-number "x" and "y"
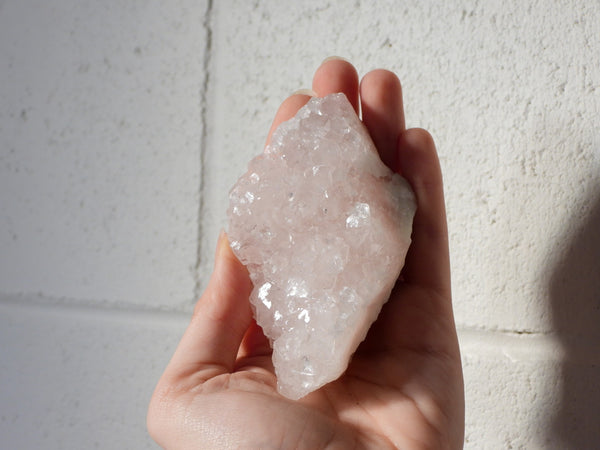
{"x": 123, "y": 125}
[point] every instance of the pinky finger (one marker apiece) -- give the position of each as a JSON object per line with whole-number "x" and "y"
{"x": 427, "y": 262}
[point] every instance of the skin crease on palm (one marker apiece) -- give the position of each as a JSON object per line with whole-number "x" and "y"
{"x": 403, "y": 387}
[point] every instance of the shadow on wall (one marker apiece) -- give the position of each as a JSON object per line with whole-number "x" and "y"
{"x": 575, "y": 303}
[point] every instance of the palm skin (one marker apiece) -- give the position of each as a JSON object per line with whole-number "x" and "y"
{"x": 403, "y": 387}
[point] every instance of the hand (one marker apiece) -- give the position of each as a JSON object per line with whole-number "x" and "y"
{"x": 403, "y": 387}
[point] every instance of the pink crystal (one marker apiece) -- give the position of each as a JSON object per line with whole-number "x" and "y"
{"x": 323, "y": 227}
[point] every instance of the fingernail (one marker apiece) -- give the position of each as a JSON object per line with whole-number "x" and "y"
{"x": 222, "y": 249}
{"x": 308, "y": 92}
{"x": 222, "y": 241}
{"x": 334, "y": 58}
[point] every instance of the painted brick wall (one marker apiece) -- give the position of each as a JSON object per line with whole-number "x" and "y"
{"x": 123, "y": 125}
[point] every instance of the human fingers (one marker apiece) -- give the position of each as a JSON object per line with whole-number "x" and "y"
{"x": 289, "y": 108}
{"x": 254, "y": 343}
{"x": 221, "y": 317}
{"x": 383, "y": 112}
{"x": 427, "y": 262}
{"x": 334, "y": 75}
{"x": 337, "y": 75}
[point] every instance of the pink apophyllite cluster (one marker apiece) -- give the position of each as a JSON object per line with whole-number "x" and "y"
{"x": 323, "y": 227}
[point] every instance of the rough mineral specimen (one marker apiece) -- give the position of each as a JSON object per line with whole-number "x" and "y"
{"x": 323, "y": 227}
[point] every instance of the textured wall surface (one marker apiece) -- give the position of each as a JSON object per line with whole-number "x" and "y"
{"x": 123, "y": 125}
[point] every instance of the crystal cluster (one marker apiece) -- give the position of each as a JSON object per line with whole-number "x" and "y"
{"x": 323, "y": 227}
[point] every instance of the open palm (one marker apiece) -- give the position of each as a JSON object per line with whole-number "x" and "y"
{"x": 403, "y": 387}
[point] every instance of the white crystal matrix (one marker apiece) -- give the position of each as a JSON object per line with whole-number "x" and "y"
{"x": 323, "y": 227}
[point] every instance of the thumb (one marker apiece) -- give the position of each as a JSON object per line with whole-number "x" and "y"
{"x": 219, "y": 322}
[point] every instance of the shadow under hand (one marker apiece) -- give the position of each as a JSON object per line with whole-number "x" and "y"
{"x": 575, "y": 303}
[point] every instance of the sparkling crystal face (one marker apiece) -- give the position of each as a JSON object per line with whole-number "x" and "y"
{"x": 323, "y": 227}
